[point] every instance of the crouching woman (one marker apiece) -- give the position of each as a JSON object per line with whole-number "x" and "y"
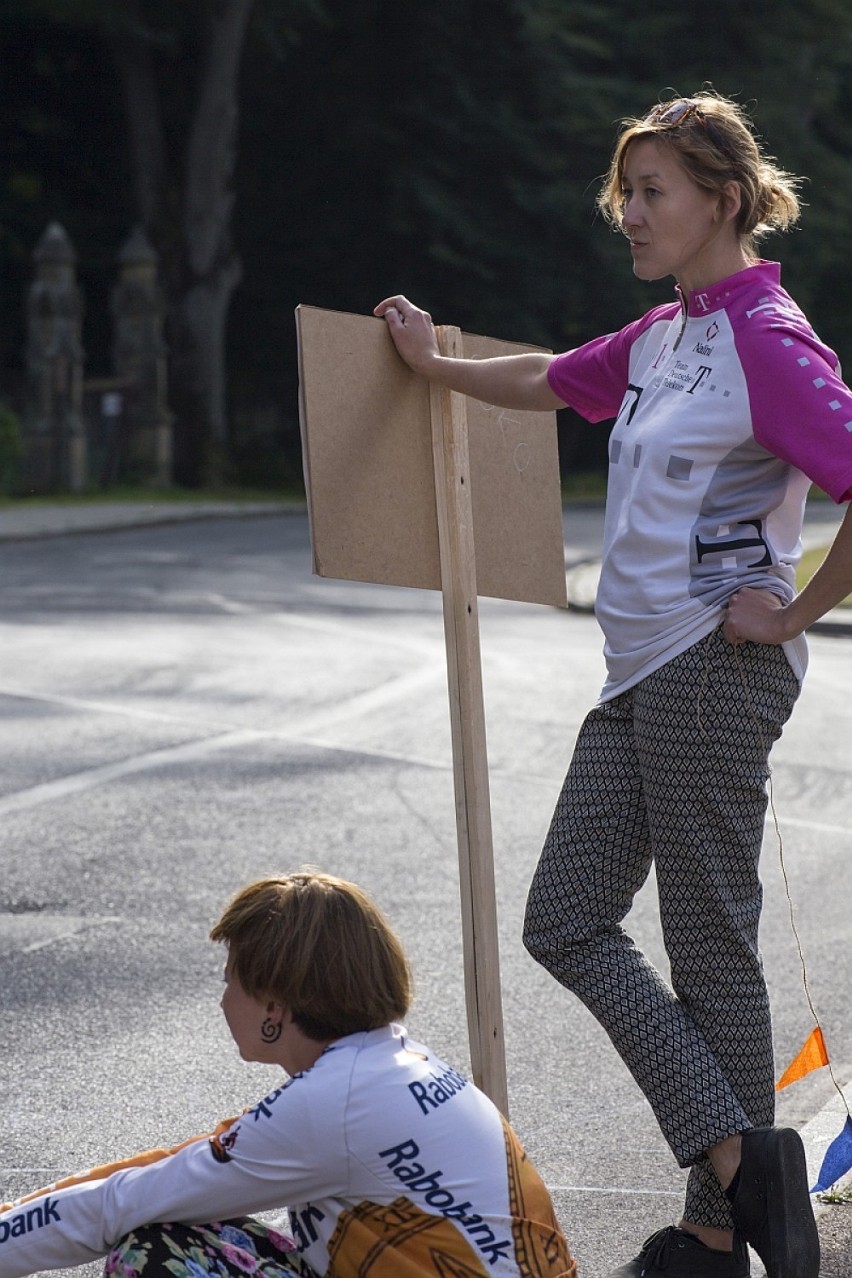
{"x": 389, "y": 1162}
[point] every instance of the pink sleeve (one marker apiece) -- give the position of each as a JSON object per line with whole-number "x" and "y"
{"x": 592, "y": 379}
{"x": 801, "y": 408}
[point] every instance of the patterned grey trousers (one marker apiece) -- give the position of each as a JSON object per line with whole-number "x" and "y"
{"x": 673, "y": 772}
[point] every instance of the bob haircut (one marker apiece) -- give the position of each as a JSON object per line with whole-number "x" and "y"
{"x": 319, "y": 946}
{"x": 712, "y": 138}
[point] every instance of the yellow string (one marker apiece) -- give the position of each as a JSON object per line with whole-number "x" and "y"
{"x": 755, "y": 719}
{"x": 795, "y": 931}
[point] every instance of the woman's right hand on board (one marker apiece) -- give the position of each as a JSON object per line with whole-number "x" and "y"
{"x": 412, "y": 331}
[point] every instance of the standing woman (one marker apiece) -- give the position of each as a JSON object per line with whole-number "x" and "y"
{"x": 727, "y": 406}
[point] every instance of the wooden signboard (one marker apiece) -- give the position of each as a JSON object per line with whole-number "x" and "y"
{"x": 367, "y": 447}
{"x": 412, "y": 485}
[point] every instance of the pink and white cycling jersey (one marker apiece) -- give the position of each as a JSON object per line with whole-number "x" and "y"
{"x": 727, "y": 407}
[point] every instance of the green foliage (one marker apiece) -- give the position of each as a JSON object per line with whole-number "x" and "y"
{"x": 11, "y": 449}
{"x": 839, "y": 1195}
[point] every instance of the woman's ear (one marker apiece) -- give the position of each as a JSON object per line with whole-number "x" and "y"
{"x": 730, "y": 200}
{"x": 273, "y": 1025}
{"x": 279, "y": 1013}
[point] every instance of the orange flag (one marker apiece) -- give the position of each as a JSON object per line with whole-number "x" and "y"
{"x": 812, "y": 1056}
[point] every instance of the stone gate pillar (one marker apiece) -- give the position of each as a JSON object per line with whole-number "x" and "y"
{"x": 53, "y": 433}
{"x": 139, "y": 359}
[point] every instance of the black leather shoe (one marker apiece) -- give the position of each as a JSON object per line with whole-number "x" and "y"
{"x": 772, "y": 1206}
{"x": 674, "y": 1253}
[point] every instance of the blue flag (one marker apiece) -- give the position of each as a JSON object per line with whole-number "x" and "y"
{"x": 838, "y": 1159}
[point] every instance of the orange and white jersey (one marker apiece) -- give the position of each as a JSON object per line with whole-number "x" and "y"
{"x": 388, "y": 1162}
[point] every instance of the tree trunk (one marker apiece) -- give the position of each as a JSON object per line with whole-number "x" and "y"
{"x": 198, "y": 376}
{"x": 134, "y": 63}
{"x": 211, "y": 269}
{"x": 200, "y": 267}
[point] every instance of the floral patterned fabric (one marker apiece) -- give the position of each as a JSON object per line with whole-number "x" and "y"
{"x": 227, "y": 1249}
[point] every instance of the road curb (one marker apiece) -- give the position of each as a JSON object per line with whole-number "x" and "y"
{"x": 23, "y": 523}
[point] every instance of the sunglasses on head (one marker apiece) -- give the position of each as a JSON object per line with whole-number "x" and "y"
{"x": 668, "y": 115}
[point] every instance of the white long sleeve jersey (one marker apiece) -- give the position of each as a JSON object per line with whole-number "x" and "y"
{"x": 388, "y": 1161}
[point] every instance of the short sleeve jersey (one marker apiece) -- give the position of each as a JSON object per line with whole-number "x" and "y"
{"x": 388, "y": 1161}
{"x": 727, "y": 406}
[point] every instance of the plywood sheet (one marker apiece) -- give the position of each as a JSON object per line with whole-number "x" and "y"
{"x": 367, "y": 449}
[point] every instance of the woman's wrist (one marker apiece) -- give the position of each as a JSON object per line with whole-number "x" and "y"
{"x": 787, "y": 622}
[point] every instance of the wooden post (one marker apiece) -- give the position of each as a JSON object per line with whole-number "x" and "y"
{"x": 387, "y": 466}
{"x": 467, "y": 718}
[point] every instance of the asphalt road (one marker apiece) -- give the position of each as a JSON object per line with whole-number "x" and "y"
{"x": 183, "y": 708}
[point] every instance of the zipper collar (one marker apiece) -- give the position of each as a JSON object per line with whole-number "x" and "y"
{"x": 702, "y": 302}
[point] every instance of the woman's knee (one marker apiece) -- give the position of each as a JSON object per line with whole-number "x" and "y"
{"x": 558, "y": 941}
{"x": 546, "y": 932}
{"x": 536, "y": 943}
{"x": 132, "y": 1252}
